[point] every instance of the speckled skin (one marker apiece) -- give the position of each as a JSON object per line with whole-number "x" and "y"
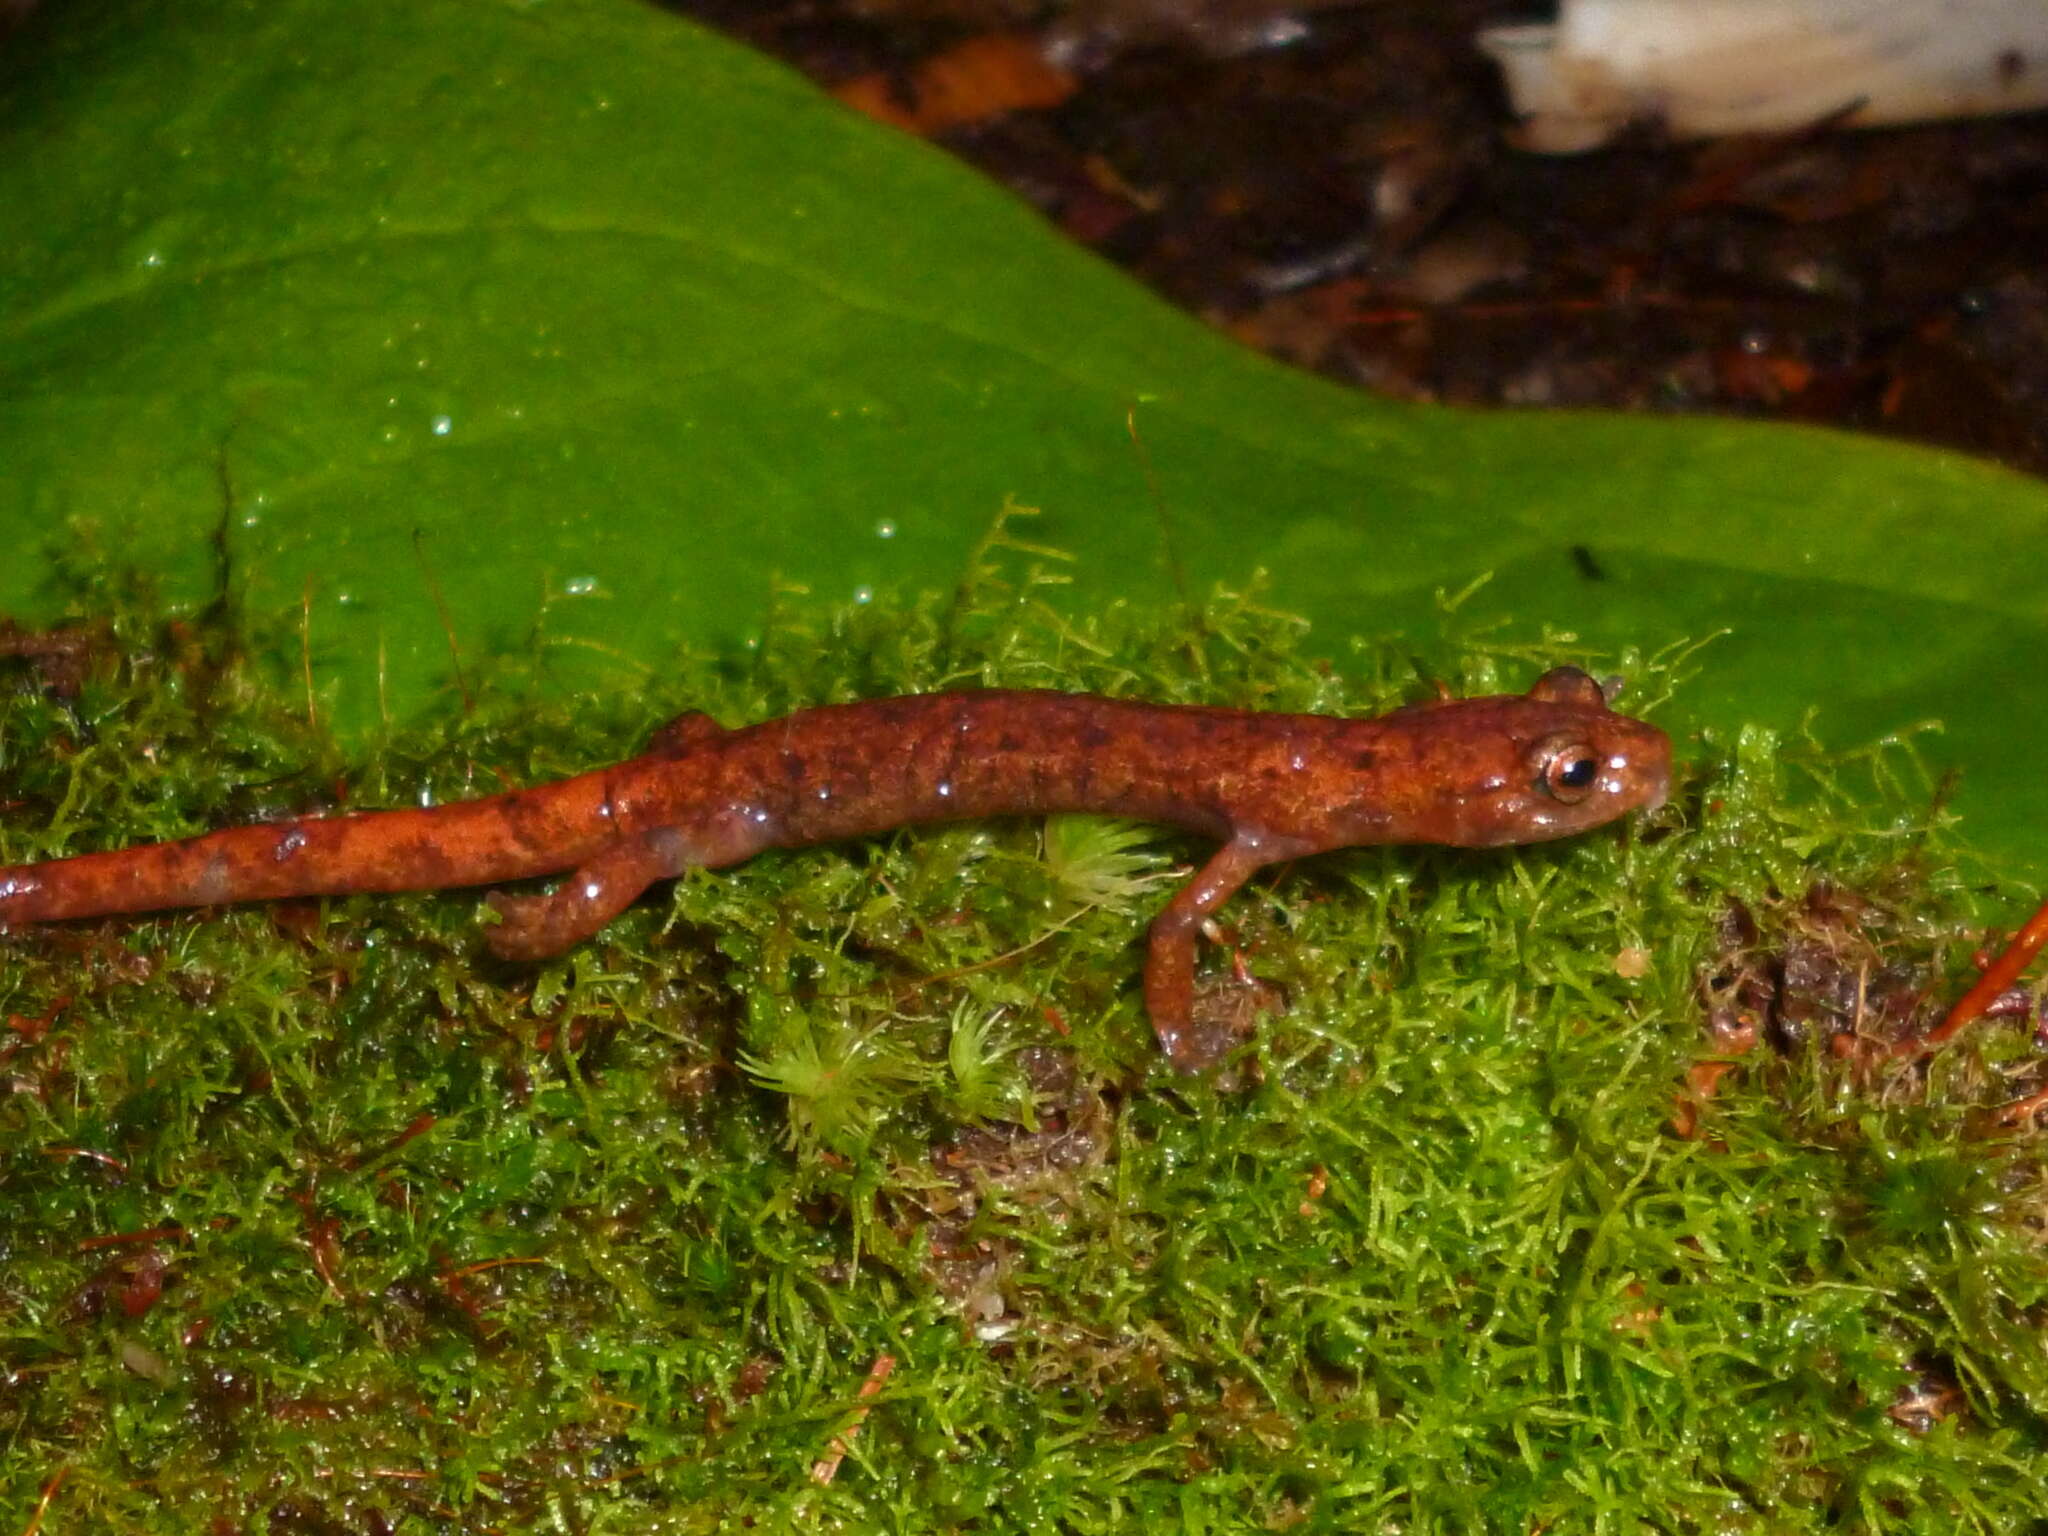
{"x": 1469, "y": 772}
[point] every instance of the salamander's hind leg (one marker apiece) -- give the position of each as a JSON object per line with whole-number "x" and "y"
{"x": 683, "y": 734}
{"x": 534, "y": 927}
{"x": 1170, "y": 952}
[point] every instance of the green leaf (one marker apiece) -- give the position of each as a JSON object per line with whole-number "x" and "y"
{"x": 597, "y": 325}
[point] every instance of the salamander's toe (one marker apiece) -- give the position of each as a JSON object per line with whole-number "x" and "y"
{"x": 525, "y": 927}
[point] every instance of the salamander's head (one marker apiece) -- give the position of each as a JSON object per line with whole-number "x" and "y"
{"x": 1525, "y": 768}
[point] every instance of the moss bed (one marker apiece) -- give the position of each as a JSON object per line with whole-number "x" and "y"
{"x": 847, "y": 1189}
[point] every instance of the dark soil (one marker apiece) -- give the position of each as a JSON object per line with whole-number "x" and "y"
{"x": 1333, "y": 183}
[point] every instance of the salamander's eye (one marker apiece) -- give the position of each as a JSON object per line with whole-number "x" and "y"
{"x": 1566, "y": 768}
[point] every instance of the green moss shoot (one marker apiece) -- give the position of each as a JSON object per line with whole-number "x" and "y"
{"x": 313, "y": 1218}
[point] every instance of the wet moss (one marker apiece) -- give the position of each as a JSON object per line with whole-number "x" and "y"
{"x": 312, "y": 1217}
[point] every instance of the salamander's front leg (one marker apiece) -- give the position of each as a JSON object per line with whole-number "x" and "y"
{"x": 1170, "y": 956}
{"x": 534, "y": 927}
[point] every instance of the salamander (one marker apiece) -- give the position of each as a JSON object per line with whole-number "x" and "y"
{"x": 1473, "y": 773}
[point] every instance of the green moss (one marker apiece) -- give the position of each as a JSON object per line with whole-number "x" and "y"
{"x": 611, "y": 1245}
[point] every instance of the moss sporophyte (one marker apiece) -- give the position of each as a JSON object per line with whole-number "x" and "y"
{"x": 1564, "y": 1187}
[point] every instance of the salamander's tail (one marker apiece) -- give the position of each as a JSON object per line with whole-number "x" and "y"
{"x": 476, "y": 842}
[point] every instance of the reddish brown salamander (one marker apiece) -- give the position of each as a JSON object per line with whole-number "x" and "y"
{"x": 1474, "y": 773}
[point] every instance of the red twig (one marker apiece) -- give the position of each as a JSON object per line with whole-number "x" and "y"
{"x": 1999, "y": 975}
{"x": 50, "y": 1487}
{"x": 2020, "y": 1111}
{"x": 826, "y": 1467}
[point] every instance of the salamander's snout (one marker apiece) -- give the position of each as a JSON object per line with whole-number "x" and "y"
{"x": 1663, "y": 784}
